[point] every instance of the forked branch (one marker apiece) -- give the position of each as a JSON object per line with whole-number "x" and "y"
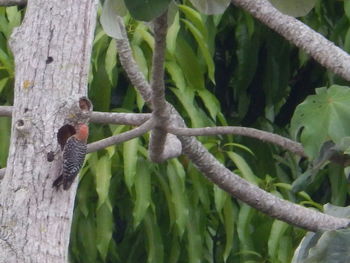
{"x": 230, "y": 182}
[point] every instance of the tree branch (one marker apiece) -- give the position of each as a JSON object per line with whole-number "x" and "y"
{"x": 273, "y": 206}
{"x": 130, "y": 66}
{"x": 225, "y": 179}
{"x": 313, "y": 43}
{"x": 160, "y": 111}
{"x": 285, "y": 143}
{"x": 134, "y": 119}
{"x": 173, "y": 145}
{"x": 95, "y": 146}
{"x": 12, "y": 2}
{"x": 5, "y": 111}
{"x": 101, "y": 144}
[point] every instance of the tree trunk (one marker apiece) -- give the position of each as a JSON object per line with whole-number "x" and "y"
{"x": 52, "y": 51}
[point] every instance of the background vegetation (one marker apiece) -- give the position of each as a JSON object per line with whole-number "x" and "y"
{"x": 220, "y": 70}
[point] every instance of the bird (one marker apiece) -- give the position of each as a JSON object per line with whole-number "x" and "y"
{"x": 74, "y": 152}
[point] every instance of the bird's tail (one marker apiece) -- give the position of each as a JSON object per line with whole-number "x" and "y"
{"x": 58, "y": 182}
{"x": 65, "y": 181}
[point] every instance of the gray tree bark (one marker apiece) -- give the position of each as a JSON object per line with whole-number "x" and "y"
{"x": 52, "y": 51}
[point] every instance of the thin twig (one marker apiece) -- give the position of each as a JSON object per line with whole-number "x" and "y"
{"x": 322, "y": 50}
{"x": 12, "y": 2}
{"x": 127, "y": 61}
{"x": 101, "y": 144}
{"x": 285, "y": 143}
{"x": 161, "y": 113}
{"x": 134, "y": 119}
{"x": 5, "y": 111}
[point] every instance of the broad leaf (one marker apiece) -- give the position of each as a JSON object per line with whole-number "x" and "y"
{"x": 322, "y": 117}
{"x": 294, "y": 8}
{"x": 146, "y": 10}
{"x": 211, "y": 7}
{"x": 326, "y": 247}
{"x": 109, "y": 18}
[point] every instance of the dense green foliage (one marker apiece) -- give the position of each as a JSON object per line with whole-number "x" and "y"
{"x": 220, "y": 70}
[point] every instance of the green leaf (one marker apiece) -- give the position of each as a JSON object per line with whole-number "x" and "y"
{"x": 243, "y": 166}
{"x": 6, "y": 60}
{"x": 101, "y": 93}
{"x": 347, "y": 9}
{"x": 186, "y": 97}
{"x": 220, "y": 197}
{"x": 200, "y": 186}
{"x": 347, "y": 39}
{"x": 103, "y": 178}
{"x": 195, "y": 247}
{"x": 111, "y": 62}
{"x": 142, "y": 191}
{"x": 294, "y": 8}
{"x": 14, "y": 16}
{"x": 171, "y": 36}
{"x": 327, "y": 247}
{"x": 140, "y": 60}
{"x": 196, "y": 19}
{"x": 142, "y": 34}
{"x": 244, "y": 230}
{"x": 277, "y": 231}
{"x": 188, "y": 61}
{"x": 3, "y": 83}
{"x": 210, "y": 101}
{"x": 146, "y": 10}
{"x": 154, "y": 239}
{"x": 104, "y": 228}
{"x": 211, "y": 7}
{"x": 87, "y": 239}
{"x": 229, "y": 227}
{"x": 176, "y": 176}
{"x": 175, "y": 250}
{"x": 130, "y": 161}
{"x": 85, "y": 195}
{"x": 203, "y": 46}
{"x": 337, "y": 211}
{"x": 289, "y": 188}
{"x": 109, "y": 18}
{"x": 5, "y": 134}
{"x": 111, "y": 151}
{"x": 5, "y": 28}
{"x": 339, "y": 184}
{"x": 176, "y": 74}
{"x": 303, "y": 181}
{"x": 247, "y": 59}
{"x": 322, "y": 117}
{"x": 168, "y": 196}
{"x": 240, "y": 146}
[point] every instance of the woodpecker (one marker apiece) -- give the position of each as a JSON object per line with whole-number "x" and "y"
{"x": 74, "y": 152}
